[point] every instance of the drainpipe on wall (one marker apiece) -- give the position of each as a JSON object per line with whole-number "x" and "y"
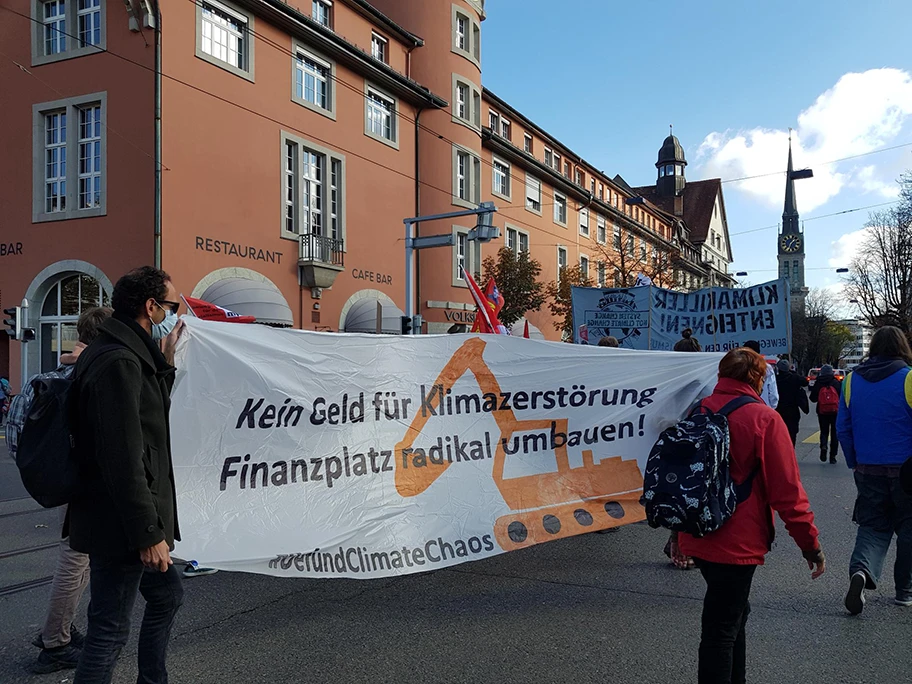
{"x": 158, "y": 139}
{"x": 417, "y": 209}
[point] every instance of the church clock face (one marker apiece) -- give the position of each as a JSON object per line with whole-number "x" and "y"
{"x": 790, "y": 243}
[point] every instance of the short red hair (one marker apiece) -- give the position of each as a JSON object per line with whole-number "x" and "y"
{"x": 744, "y": 365}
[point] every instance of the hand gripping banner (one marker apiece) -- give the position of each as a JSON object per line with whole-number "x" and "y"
{"x": 307, "y": 454}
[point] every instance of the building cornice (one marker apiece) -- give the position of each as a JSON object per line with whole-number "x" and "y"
{"x": 325, "y": 40}
{"x": 368, "y": 11}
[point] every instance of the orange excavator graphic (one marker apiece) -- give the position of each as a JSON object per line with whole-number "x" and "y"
{"x": 544, "y": 506}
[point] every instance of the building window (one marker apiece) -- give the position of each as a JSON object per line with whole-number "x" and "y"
{"x": 557, "y": 163}
{"x": 527, "y": 143}
{"x": 630, "y": 244}
{"x": 560, "y": 209}
{"x": 601, "y": 230}
{"x": 512, "y": 239}
{"x": 584, "y": 222}
{"x": 533, "y": 194}
{"x": 505, "y": 129}
{"x": 62, "y": 306}
{"x": 600, "y": 274}
{"x": 501, "y": 172}
{"x": 462, "y": 243}
{"x": 381, "y": 121}
{"x": 601, "y": 192}
{"x": 68, "y": 131}
{"x": 466, "y": 103}
{"x": 592, "y": 186}
{"x": 584, "y": 266}
{"x": 63, "y": 29}
{"x": 567, "y": 169}
{"x": 466, "y": 254}
{"x": 580, "y": 178}
{"x": 466, "y": 178}
{"x": 379, "y": 48}
{"x": 466, "y": 36}
{"x": 322, "y": 12}
{"x": 314, "y": 192}
{"x": 89, "y": 157}
{"x": 494, "y": 122}
{"x": 618, "y": 281}
{"x": 643, "y": 255}
{"x": 314, "y": 87}
{"x": 224, "y": 36}
{"x": 561, "y": 259}
{"x": 549, "y": 158}
{"x": 616, "y": 238}
{"x": 523, "y": 242}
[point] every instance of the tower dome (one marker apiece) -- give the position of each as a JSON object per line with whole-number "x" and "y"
{"x": 671, "y": 152}
{"x": 670, "y": 181}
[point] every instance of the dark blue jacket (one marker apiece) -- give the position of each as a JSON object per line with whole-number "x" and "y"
{"x": 874, "y": 423}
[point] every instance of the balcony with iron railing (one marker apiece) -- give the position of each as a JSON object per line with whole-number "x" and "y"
{"x": 320, "y": 259}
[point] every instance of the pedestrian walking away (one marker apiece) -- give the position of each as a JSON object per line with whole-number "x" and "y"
{"x": 825, "y": 393}
{"x": 124, "y": 516}
{"x": 874, "y": 425}
{"x": 60, "y": 642}
{"x": 728, "y": 557}
{"x": 770, "y": 392}
{"x": 793, "y": 398}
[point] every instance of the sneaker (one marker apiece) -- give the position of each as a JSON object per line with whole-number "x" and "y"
{"x": 855, "y": 599}
{"x": 194, "y": 570}
{"x": 77, "y": 638}
{"x": 905, "y": 602}
{"x": 54, "y": 659}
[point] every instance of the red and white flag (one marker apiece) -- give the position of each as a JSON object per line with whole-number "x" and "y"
{"x": 489, "y": 305}
{"x": 214, "y": 312}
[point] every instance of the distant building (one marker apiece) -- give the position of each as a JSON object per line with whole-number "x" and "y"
{"x": 856, "y": 350}
{"x": 697, "y": 209}
{"x": 791, "y": 243}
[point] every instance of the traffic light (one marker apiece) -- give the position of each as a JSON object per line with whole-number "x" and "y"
{"x": 417, "y": 322}
{"x": 406, "y": 325}
{"x": 28, "y": 335}
{"x": 13, "y": 322}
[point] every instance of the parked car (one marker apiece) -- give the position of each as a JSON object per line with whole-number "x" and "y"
{"x": 840, "y": 374}
{"x": 812, "y": 376}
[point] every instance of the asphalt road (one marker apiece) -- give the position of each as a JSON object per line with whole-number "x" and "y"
{"x": 596, "y": 608}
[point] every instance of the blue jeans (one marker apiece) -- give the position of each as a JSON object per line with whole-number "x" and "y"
{"x": 113, "y": 586}
{"x": 882, "y": 509}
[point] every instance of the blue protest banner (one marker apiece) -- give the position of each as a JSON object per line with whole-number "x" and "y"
{"x": 652, "y": 317}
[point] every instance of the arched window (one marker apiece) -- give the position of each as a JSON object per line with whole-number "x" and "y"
{"x": 68, "y": 298}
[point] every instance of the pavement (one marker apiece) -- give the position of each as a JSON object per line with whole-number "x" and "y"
{"x": 596, "y": 608}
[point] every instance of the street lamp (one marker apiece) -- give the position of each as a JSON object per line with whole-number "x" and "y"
{"x": 741, "y": 274}
{"x": 842, "y": 270}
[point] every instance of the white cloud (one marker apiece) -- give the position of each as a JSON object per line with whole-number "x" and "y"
{"x": 861, "y": 113}
{"x": 843, "y": 250}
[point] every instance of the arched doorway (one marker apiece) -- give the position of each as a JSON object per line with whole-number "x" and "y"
{"x": 66, "y": 299}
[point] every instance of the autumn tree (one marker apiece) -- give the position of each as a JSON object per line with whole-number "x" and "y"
{"x": 623, "y": 263}
{"x": 560, "y": 305}
{"x": 516, "y": 275}
{"x": 880, "y": 281}
{"x": 817, "y": 338}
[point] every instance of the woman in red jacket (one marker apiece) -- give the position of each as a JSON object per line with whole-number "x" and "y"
{"x": 728, "y": 557}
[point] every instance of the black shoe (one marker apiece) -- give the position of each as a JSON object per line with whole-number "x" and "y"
{"x": 855, "y": 599}
{"x": 54, "y": 659}
{"x": 823, "y": 457}
{"x": 833, "y": 460}
{"x": 77, "y": 638}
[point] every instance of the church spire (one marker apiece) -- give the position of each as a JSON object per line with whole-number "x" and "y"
{"x": 790, "y": 211}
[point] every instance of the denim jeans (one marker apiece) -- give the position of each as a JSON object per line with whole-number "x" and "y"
{"x": 113, "y": 588}
{"x": 723, "y": 646}
{"x": 882, "y": 509}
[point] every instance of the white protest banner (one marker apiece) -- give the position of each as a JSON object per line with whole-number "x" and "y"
{"x": 651, "y": 317}
{"x": 323, "y": 455}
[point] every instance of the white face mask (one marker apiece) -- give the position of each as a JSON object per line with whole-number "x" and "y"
{"x": 161, "y": 330}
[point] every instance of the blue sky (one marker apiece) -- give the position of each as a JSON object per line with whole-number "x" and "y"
{"x": 608, "y": 77}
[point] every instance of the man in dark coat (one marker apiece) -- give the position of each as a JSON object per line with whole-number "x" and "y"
{"x": 826, "y": 416}
{"x": 125, "y": 516}
{"x": 792, "y": 397}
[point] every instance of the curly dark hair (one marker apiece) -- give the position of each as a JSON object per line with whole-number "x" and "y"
{"x": 137, "y": 287}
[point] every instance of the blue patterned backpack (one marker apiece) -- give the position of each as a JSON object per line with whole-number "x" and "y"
{"x": 688, "y": 485}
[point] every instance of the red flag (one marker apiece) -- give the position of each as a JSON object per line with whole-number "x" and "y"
{"x": 213, "y": 312}
{"x": 526, "y": 330}
{"x": 482, "y": 322}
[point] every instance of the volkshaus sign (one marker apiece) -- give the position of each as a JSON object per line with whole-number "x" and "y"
{"x": 307, "y": 454}
{"x": 652, "y": 318}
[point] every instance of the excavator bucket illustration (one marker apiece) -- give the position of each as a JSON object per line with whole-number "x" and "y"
{"x": 545, "y": 506}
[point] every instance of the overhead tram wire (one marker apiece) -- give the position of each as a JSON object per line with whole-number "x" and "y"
{"x": 816, "y": 218}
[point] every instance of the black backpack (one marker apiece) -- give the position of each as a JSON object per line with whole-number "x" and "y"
{"x": 688, "y": 485}
{"x": 46, "y": 455}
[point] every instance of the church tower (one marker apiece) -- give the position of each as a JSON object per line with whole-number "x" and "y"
{"x": 791, "y": 243}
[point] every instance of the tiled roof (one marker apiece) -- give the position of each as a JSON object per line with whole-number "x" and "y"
{"x": 699, "y": 200}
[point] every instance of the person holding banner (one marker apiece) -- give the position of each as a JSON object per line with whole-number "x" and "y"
{"x": 728, "y": 557}
{"x": 125, "y": 514}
